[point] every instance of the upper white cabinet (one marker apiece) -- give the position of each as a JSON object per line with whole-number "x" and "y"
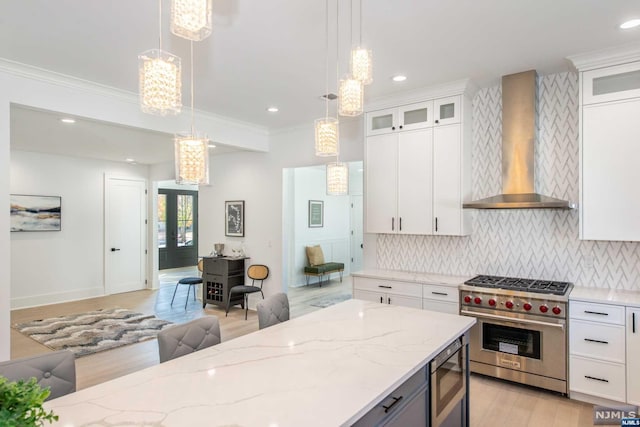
{"x": 417, "y": 168}
{"x": 406, "y": 117}
{"x": 609, "y": 149}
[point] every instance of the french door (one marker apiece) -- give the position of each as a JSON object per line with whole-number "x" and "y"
{"x": 177, "y": 228}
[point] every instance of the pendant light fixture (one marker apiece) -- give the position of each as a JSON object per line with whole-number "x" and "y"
{"x": 327, "y": 129}
{"x": 191, "y": 19}
{"x": 337, "y": 179}
{"x": 160, "y": 79}
{"x": 350, "y": 94}
{"x": 192, "y": 150}
{"x": 361, "y": 58}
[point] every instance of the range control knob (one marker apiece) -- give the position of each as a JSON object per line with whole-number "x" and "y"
{"x": 467, "y": 299}
{"x": 556, "y": 310}
{"x": 527, "y": 306}
{"x": 544, "y": 308}
{"x": 509, "y": 304}
{"x": 477, "y": 300}
{"x": 492, "y": 302}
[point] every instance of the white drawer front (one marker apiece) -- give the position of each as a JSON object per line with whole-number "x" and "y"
{"x": 597, "y": 340}
{"x": 603, "y": 313}
{"x": 597, "y": 378}
{"x": 388, "y": 286}
{"x": 441, "y": 306}
{"x": 442, "y": 293}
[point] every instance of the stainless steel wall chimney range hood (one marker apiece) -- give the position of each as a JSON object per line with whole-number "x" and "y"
{"x": 519, "y": 132}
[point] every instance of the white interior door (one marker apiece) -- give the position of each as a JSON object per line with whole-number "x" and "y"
{"x": 356, "y": 233}
{"x": 125, "y": 235}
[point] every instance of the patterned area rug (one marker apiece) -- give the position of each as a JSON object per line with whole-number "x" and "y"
{"x": 329, "y": 300}
{"x": 95, "y": 331}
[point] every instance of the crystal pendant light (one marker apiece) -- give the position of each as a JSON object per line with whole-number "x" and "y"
{"x": 350, "y": 97}
{"x": 337, "y": 179}
{"x": 191, "y": 19}
{"x": 192, "y": 151}
{"x": 160, "y": 80}
{"x": 361, "y": 58}
{"x": 326, "y": 129}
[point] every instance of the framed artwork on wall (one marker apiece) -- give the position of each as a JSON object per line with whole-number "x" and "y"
{"x": 316, "y": 213}
{"x": 35, "y": 213}
{"x": 234, "y": 218}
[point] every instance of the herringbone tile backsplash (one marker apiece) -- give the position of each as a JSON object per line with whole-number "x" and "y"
{"x": 535, "y": 243}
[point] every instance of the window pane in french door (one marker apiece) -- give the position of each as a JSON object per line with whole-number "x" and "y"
{"x": 162, "y": 220}
{"x": 185, "y": 220}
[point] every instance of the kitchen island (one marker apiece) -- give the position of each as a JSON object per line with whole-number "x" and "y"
{"x": 327, "y": 368}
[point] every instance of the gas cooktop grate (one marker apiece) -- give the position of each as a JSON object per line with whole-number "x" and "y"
{"x": 519, "y": 284}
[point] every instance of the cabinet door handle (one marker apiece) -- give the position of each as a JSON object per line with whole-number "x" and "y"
{"x": 597, "y": 379}
{"x": 400, "y": 221}
{"x": 380, "y": 300}
{"x": 389, "y": 300}
{"x": 395, "y": 401}
{"x": 439, "y": 293}
{"x": 436, "y": 224}
{"x": 393, "y": 224}
{"x": 633, "y": 323}
{"x": 597, "y": 341}
{"x": 385, "y": 286}
{"x": 596, "y": 312}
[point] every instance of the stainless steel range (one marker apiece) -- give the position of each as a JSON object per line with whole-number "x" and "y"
{"x": 521, "y": 333}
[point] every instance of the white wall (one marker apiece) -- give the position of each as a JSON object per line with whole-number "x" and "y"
{"x": 257, "y": 178}
{"x": 51, "y": 267}
{"x": 333, "y": 237}
{"x": 5, "y": 267}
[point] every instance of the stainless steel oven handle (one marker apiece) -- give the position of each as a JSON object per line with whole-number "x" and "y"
{"x": 509, "y": 319}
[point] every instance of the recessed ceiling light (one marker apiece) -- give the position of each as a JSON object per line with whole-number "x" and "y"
{"x": 272, "y": 109}
{"x": 212, "y": 146}
{"x": 630, "y": 24}
{"x": 67, "y": 120}
{"x": 399, "y": 78}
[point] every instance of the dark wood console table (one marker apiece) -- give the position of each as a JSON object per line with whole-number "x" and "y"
{"x": 219, "y": 275}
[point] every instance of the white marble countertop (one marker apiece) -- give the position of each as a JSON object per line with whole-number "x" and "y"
{"x": 327, "y": 368}
{"x": 606, "y": 296}
{"x": 410, "y": 276}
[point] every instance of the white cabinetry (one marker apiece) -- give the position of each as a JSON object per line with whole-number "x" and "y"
{"x": 418, "y": 168}
{"x": 405, "y": 294}
{"x": 597, "y": 361}
{"x": 633, "y": 355}
{"x": 440, "y": 298}
{"x": 610, "y": 106}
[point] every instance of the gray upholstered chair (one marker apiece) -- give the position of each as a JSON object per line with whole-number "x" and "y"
{"x": 193, "y": 282}
{"x": 186, "y": 338}
{"x": 56, "y": 370}
{"x": 273, "y": 310}
{"x": 255, "y": 272}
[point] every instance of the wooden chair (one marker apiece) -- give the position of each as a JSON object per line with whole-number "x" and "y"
{"x": 256, "y": 272}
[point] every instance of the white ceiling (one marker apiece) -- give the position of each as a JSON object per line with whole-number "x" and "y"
{"x": 272, "y": 52}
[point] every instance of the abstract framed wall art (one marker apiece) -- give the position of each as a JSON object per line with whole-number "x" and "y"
{"x": 234, "y": 218}
{"x": 35, "y": 213}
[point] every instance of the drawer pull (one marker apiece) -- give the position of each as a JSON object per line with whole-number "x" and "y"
{"x": 598, "y": 341}
{"x": 385, "y": 286}
{"x": 440, "y": 293}
{"x": 633, "y": 323}
{"x": 596, "y": 312}
{"x": 597, "y": 379}
{"x": 395, "y": 400}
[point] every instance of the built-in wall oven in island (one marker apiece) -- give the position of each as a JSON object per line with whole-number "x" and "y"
{"x": 448, "y": 385}
{"x": 521, "y": 329}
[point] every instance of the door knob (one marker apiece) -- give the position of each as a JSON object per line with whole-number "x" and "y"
{"x": 115, "y": 249}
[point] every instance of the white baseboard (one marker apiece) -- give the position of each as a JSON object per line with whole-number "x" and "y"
{"x": 55, "y": 298}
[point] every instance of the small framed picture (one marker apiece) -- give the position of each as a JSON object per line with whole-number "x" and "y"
{"x": 234, "y": 218}
{"x": 316, "y": 213}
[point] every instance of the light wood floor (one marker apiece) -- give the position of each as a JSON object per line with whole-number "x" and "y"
{"x": 494, "y": 403}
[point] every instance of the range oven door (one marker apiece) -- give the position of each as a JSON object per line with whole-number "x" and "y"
{"x": 525, "y": 345}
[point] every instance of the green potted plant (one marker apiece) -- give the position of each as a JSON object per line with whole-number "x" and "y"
{"x": 21, "y": 404}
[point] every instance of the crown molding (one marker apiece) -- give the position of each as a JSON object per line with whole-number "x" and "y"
{"x": 606, "y": 57}
{"x": 58, "y": 79}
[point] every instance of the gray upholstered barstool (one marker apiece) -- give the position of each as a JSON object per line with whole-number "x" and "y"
{"x": 273, "y": 310}
{"x": 56, "y": 370}
{"x": 189, "y": 337}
